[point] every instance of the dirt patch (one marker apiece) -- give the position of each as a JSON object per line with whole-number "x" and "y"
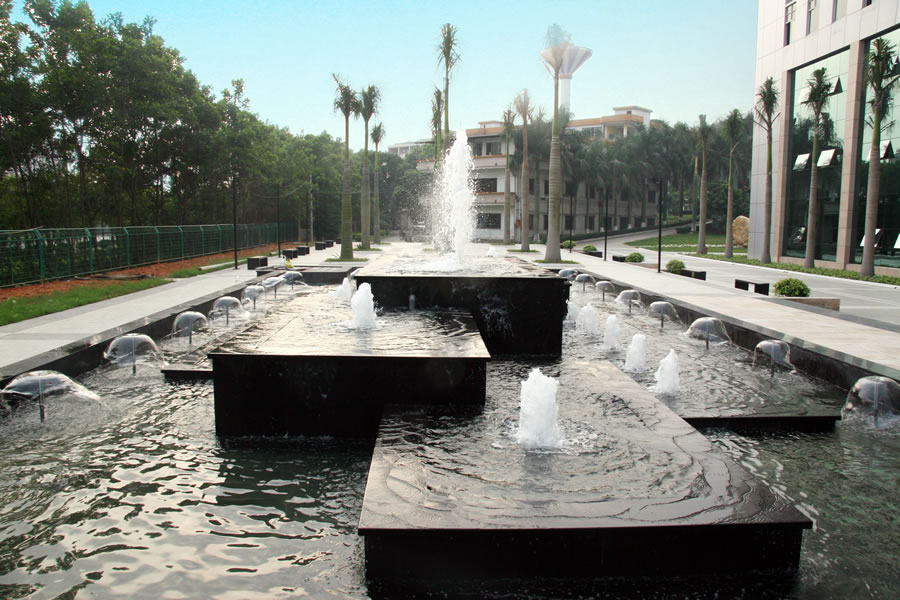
{"x": 155, "y": 270}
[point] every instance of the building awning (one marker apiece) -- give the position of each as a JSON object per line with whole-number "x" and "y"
{"x": 802, "y": 162}
{"x": 827, "y": 158}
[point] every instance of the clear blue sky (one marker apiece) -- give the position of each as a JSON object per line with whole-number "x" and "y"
{"x": 679, "y": 59}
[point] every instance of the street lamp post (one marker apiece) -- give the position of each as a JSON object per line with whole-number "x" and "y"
{"x": 278, "y": 217}
{"x": 571, "y": 220}
{"x": 659, "y": 215}
{"x": 605, "y": 223}
{"x": 234, "y": 216}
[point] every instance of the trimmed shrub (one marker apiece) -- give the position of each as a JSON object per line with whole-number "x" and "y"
{"x": 568, "y": 244}
{"x": 792, "y": 287}
{"x": 635, "y": 257}
{"x": 674, "y": 266}
{"x": 590, "y": 248}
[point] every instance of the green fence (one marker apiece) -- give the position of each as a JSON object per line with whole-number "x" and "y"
{"x": 42, "y": 254}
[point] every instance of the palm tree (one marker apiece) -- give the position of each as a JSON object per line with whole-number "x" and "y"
{"x": 818, "y": 90}
{"x": 368, "y": 105}
{"x": 509, "y": 123}
{"x": 346, "y": 102}
{"x": 539, "y": 147}
{"x": 525, "y": 110}
{"x": 449, "y": 55}
{"x": 766, "y": 104}
{"x": 733, "y": 129}
{"x": 879, "y": 74}
{"x": 437, "y": 109}
{"x": 377, "y": 135}
{"x": 704, "y": 133}
{"x": 558, "y": 42}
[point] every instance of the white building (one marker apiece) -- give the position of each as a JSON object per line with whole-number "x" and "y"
{"x": 795, "y": 38}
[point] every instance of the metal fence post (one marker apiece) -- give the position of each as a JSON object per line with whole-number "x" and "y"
{"x": 41, "y": 266}
{"x": 181, "y": 230}
{"x": 90, "y": 241}
{"x": 158, "y": 245}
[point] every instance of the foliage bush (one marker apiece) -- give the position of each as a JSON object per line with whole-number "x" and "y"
{"x": 568, "y": 244}
{"x": 590, "y": 248}
{"x": 674, "y": 266}
{"x": 635, "y": 257}
{"x": 791, "y": 287}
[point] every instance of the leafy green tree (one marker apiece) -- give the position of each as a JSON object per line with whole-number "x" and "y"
{"x": 525, "y": 112}
{"x": 704, "y": 133}
{"x": 437, "y": 109}
{"x": 818, "y": 91}
{"x": 766, "y": 105}
{"x": 448, "y": 54}
{"x": 881, "y": 76}
{"x": 733, "y": 131}
{"x": 347, "y": 103}
{"x": 368, "y": 105}
{"x": 377, "y": 135}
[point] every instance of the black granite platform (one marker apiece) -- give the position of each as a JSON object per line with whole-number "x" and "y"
{"x": 519, "y": 307}
{"x": 304, "y": 371}
{"x": 326, "y": 273}
{"x": 634, "y": 490}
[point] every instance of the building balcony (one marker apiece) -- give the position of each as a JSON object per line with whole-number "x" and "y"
{"x": 489, "y": 161}
{"x": 490, "y": 198}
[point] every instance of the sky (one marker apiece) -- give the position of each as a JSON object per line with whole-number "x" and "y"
{"x": 679, "y": 59}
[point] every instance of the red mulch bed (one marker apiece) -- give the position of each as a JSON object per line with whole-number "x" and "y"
{"x": 154, "y": 270}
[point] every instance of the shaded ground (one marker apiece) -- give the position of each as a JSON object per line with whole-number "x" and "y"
{"x": 153, "y": 270}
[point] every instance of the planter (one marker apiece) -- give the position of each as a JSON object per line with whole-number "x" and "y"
{"x": 597, "y": 253}
{"x": 827, "y": 303}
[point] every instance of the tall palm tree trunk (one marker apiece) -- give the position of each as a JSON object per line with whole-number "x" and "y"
{"x": 376, "y": 208}
{"x": 346, "y": 205}
{"x": 523, "y": 194}
{"x": 873, "y": 189}
{"x": 812, "y": 219}
{"x": 704, "y": 201}
{"x": 507, "y": 202}
{"x": 365, "y": 216}
{"x": 729, "y": 213}
{"x": 538, "y": 225}
{"x": 766, "y": 256}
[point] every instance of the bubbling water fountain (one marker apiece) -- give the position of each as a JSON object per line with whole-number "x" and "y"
{"x": 344, "y": 292}
{"x": 710, "y": 329}
{"x": 635, "y": 358}
{"x": 874, "y": 397}
{"x": 663, "y": 311}
{"x": 667, "y": 380}
{"x": 362, "y": 306}
{"x": 131, "y": 349}
{"x": 538, "y": 411}
{"x": 588, "y": 320}
{"x": 453, "y": 212}
{"x": 572, "y": 311}
{"x": 611, "y": 334}
{"x": 778, "y": 353}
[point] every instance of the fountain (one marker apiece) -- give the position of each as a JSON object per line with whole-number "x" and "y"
{"x": 710, "y": 329}
{"x": 635, "y": 359}
{"x": 569, "y": 274}
{"x": 491, "y": 252}
{"x": 344, "y": 292}
{"x": 611, "y": 334}
{"x": 629, "y": 298}
{"x": 131, "y": 349}
{"x": 667, "y": 380}
{"x": 777, "y": 352}
{"x": 226, "y": 309}
{"x": 453, "y": 212}
{"x": 588, "y": 321}
{"x": 572, "y": 311}
{"x": 584, "y": 279}
{"x": 663, "y": 311}
{"x": 362, "y": 306}
{"x": 37, "y": 387}
{"x": 873, "y": 398}
{"x": 604, "y": 287}
{"x": 538, "y": 427}
{"x": 293, "y": 278}
{"x": 253, "y": 294}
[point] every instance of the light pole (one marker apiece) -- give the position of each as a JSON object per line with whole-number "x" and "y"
{"x": 278, "y": 217}
{"x": 605, "y": 223}
{"x": 659, "y": 215}
{"x": 234, "y": 216}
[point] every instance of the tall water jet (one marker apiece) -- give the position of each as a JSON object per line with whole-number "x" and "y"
{"x": 362, "y": 306}
{"x": 709, "y": 329}
{"x": 873, "y": 397}
{"x": 664, "y": 311}
{"x": 636, "y": 357}
{"x": 611, "y": 335}
{"x": 453, "y": 212}
{"x": 344, "y": 292}
{"x": 588, "y": 320}
{"x": 538, "y": 411}
{"x": 667, "y": 380}
{"x": 777, "y": 353}
{"x": 572, "y": 311}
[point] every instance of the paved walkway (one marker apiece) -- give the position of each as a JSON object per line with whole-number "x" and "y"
{"x": 866, "y": 327}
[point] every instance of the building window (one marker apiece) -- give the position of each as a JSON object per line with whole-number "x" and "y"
{"x": 570, "y": 188}
{"x": 531, "y": 186}
{"x": 488, "y": 221}
{"x": 547, "y": 187}
{"x": 811, "y": 15}
{"x": 545, "y": 222}
{"x": 790, "y": 12}
{"x": 531, "y": 222}
{"x": 476, "y": 148}
{"x": 589, "y": 223}
{"x": 488, "y": 184}
{"x": 838, "y": 10}
{"x": 492, "y": 148}
{"x": 568, "y": 223}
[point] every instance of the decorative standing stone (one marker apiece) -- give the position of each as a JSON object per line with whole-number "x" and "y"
{"x": 740, "y": 229}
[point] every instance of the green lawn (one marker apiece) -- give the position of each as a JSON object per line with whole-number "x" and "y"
{"x": 686, "y": 242}
{"x": 13, "y": 310}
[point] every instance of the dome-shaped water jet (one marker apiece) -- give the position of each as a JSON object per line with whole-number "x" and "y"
{"x": 252, "y": 295}
{"x": 775, "y": 351}
{"x": 37, "y": 386}
{"x": 132, "y": 348}
{"x": 664, "y": 311}
{"x": 873, "y": 397}
{"x": 710, "y": 329}
{"x": 630, "y": 298}
{"x": 226, "y": 308}
{"x": 569, "y": 274}
{"x": 605, "y": 287}
{"x": 585, "y": 279}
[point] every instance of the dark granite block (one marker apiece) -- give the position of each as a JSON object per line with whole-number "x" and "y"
{"x": 255, "y": 262}
{"x": 302, "y": 250}
{"x": 320, "y": 245}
